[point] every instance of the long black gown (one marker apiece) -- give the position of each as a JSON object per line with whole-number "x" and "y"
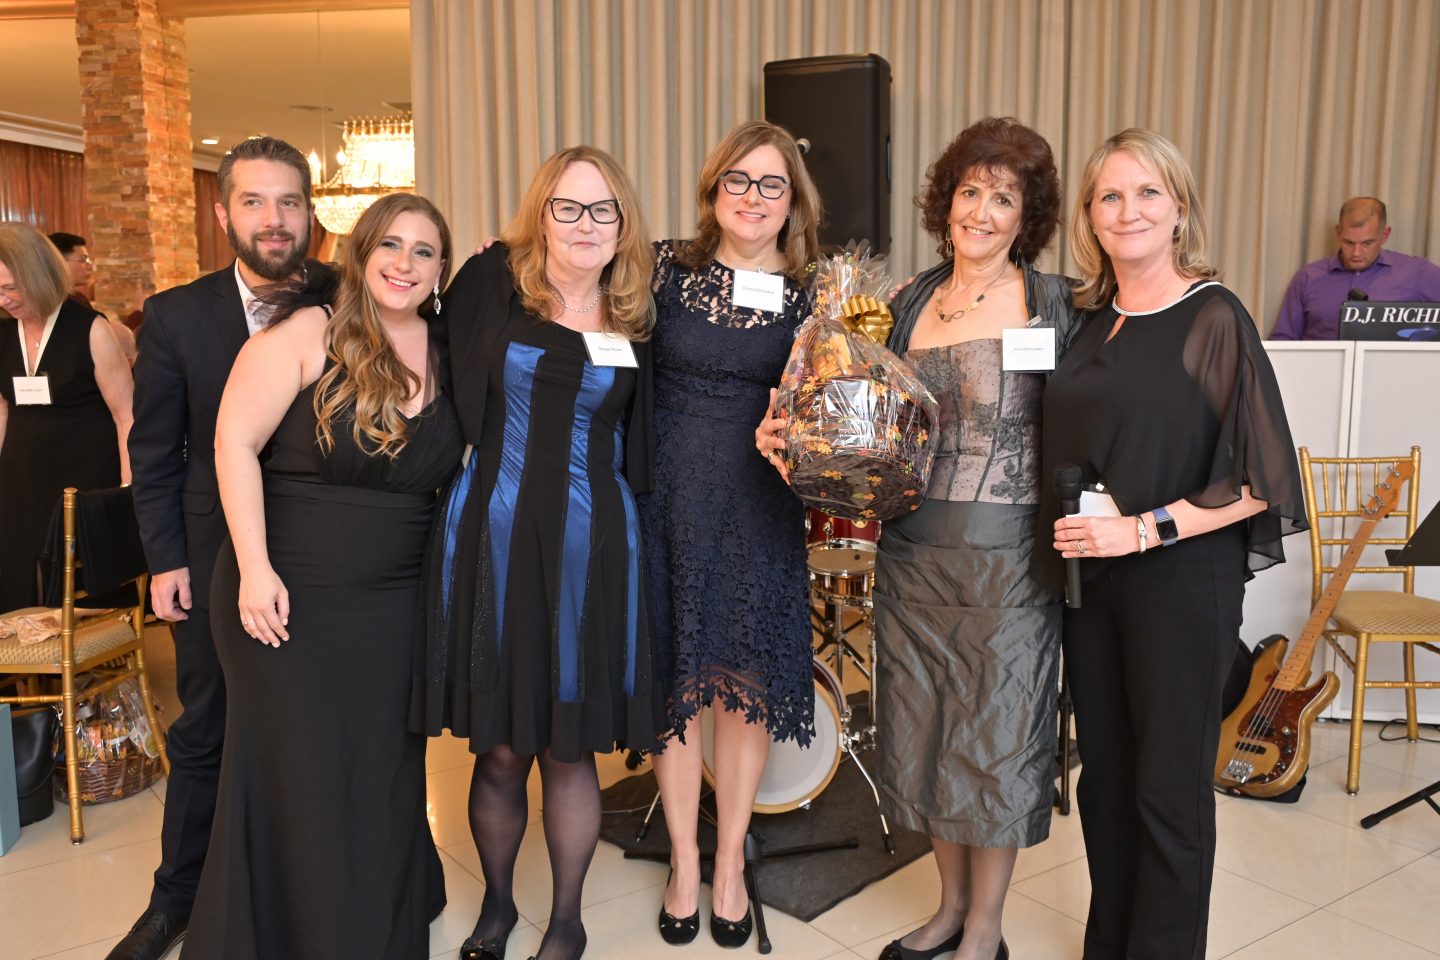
{"x": 70, "y": 443}
{"x": 320, "y": 845}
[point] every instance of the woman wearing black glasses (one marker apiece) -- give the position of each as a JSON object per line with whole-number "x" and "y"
{"x": 724, "y": 536}
{"x": 538, "y": 642}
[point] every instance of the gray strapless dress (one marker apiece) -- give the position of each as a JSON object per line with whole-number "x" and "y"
{"x": 969, "y": 644}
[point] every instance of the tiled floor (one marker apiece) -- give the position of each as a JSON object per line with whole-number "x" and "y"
{"x": 1299, "y": 882}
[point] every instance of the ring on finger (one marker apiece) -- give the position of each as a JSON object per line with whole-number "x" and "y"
{"x": 1081, "y": 548}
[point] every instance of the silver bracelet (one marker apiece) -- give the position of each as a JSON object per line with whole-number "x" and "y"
{"x": 1140, "y": 528}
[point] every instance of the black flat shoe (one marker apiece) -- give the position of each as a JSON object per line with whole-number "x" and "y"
{"x": 894, "y": 951}
{"x": 731, "y": 933}
{"x": 677, "y": 931}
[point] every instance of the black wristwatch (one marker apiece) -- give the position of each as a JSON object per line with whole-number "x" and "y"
{"x": 1165, "y": 526}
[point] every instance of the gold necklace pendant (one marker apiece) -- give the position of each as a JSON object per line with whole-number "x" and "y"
{"x": 960, "y": 312}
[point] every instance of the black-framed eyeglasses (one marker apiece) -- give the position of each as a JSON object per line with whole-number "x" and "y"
{"x": 570, "y": 211}
{"x": 738, "y": 182}
{"x": 79, "y": 259}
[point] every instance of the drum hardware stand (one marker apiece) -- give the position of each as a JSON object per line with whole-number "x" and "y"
{"x": 833, "y": 632}
{"x": 852, "y": 739}
{"x": 1067, "y": 710}
{"x": 1424, "y": 795}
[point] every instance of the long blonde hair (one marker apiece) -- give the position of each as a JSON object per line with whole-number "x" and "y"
{"x": 799, "y": 237}
{"x": 626, "y": 279}
{"x": 36, "y": 265}
{"x": 1097, "y": 273}
{"x": 369, "y": 383}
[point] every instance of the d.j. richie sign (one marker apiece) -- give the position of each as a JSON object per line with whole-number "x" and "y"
{"x": 1386, "y": 320}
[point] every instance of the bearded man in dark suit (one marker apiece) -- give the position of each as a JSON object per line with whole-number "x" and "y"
{"x": 188, "y": 342}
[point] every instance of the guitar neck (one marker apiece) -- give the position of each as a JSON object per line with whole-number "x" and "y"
{"x": 1297, "y": 662}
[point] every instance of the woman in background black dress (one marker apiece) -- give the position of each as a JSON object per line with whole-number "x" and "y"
{"x": 76, "y": 438}
{"x": 538, "y": 644}
{"x": 1166, "y": 397}
{"x": 333, "y": 436}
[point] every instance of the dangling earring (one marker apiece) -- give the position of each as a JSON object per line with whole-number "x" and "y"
{"x": 437, "y": 298}
{"x": 949, "y": 244}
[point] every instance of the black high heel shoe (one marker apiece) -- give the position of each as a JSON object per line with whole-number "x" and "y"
{"x": 677, "y": 931}
{"x": 894, "y": 950}
{"x": 490, "y": 948}
{"x": 732, "y": 933}
{"x": 1003, "y": 952}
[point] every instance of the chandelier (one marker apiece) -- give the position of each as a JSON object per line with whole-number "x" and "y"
{"x": 377, "y": 157}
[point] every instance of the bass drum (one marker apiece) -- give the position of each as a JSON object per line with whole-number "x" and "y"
{"x": 793, "y": 775}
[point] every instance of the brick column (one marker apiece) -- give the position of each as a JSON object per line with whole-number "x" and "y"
{"x": 140, "y": 193}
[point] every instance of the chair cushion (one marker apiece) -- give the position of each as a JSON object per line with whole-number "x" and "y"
{"x": 91, "y": 641}
{"x": 1387, "y": 612}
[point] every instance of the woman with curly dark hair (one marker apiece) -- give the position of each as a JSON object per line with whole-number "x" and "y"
{"x": 969, "y": 644}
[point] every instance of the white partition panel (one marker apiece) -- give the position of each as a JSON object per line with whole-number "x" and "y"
{"x": 1397, "y": 405}
{"x": 1315, "y": 381}
{"x": 1355, "y": 399}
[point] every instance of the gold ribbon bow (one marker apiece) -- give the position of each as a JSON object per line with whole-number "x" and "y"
{"x": 868, "y": 317}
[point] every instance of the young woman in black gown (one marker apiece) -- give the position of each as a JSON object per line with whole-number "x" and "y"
{"x": 333, "y": 436}
{"x": 539, "y": 646}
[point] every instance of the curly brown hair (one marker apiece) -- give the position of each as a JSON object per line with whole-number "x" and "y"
{"x": 1006, "y": 148}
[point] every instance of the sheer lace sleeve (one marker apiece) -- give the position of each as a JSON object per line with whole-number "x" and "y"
{"x": 663, "y": 277}
{"x": 1224, "y": 355}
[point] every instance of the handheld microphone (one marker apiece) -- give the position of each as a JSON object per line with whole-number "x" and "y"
{"x": 1068, "y": 479}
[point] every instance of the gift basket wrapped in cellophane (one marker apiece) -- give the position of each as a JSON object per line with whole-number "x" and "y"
{"x": 857, "y": 440}
{"x": 117, "y": 750}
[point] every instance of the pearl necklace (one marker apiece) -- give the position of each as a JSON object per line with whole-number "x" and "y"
{"x": 599, "y": 292}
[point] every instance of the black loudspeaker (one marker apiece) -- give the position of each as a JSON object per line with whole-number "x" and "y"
{"x": 841, "y": 107}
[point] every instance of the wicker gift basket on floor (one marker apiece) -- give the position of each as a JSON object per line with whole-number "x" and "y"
{"x": 118, "y": 753}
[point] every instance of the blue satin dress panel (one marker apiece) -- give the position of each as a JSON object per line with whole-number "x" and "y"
{"x": 540, "y": 582}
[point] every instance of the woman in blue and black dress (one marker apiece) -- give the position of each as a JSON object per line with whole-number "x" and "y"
{"x": 538, "y": 643}
{"x": 723, "y": 533}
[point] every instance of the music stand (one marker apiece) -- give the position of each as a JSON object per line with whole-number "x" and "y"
{"x": 1423, "y": 550}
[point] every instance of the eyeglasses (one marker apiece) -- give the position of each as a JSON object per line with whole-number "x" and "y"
{"x": 80, "y": 260}
{"x": 738, "y": 182}
{"x": 1357, "y": 294}
{"x": 570, "y": 211}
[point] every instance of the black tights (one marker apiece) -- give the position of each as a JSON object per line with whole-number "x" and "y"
{"x": 499, "y": 810}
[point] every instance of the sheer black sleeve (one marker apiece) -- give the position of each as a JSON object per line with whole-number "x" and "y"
{"x": 1224, "y": 355}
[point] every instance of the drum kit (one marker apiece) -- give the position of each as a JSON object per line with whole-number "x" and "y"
{"x": 841, "y": 560}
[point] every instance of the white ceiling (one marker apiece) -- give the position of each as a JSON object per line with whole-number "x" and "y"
{"x": 247, "y": 73}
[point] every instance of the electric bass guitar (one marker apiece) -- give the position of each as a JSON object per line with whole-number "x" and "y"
{"x": 1265, "y": 742}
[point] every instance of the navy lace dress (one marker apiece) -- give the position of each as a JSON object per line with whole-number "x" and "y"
{"x": 724, "y": 536}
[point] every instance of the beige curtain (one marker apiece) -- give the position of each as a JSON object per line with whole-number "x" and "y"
{"x": 1284, "y": 107}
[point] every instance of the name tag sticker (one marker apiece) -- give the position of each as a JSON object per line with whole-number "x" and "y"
{"x": 609, "y": 350}
{"x": 759, "y": 291}
{"x": 1032, "y": 348}
{"x": 32, "y": 391}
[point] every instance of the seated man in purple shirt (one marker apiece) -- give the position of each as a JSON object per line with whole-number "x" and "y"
{"x": 1362, "y": 270}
